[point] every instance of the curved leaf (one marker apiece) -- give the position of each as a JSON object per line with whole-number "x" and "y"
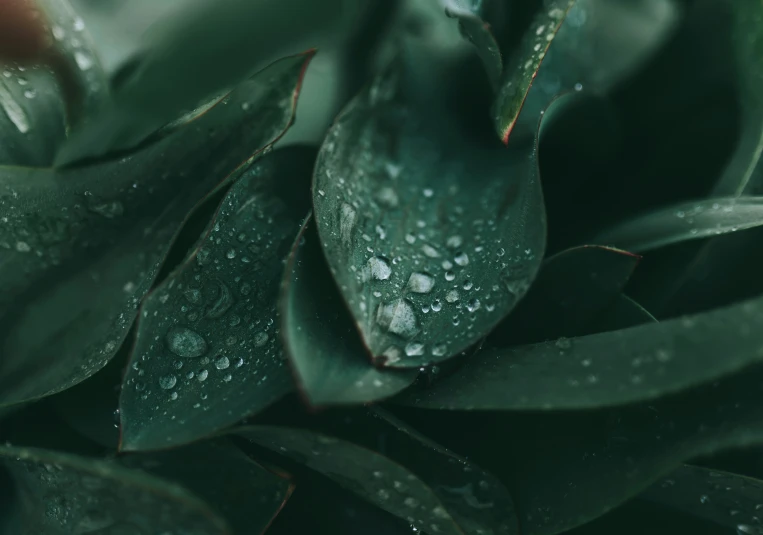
{"x": 63, "y": 493}
{"x": 611, "y": 368}
{"x": 571, "y": 288}
{"x": 431, "y": 235}
{"x": 728, "y": 500}
{"x": 415, "y": 479}
{"x": 523, "y": 67}
{"x": 623, "y": 313}
{"x": 327, "y": 356}
{"x": 82, "y": 246}
{"x": 166, "y": 76}
{"x": 567, "y": 468}
{"x": 207, "y": 351}
{"x": 687, "y": 221}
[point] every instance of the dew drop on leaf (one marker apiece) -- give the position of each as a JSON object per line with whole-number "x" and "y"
{"x": 185, "y": 342}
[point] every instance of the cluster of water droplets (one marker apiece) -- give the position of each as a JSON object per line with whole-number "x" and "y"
{"x": 417, "y": 252}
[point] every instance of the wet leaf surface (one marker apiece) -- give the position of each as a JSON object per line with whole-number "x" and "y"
{"x": 728, "y": 500}
{"x": 409, "y": 477}
{"x": 687, "y": 221}
{"x": 327, "y": 356}
{"x": 432, "y": 234}
{"x": 63, "y": 493}
{"x": 81, "y": 247}
{"x": 571, "y": 289}
{"x": 610, "y": 368}
{"x": 208, "y": 352}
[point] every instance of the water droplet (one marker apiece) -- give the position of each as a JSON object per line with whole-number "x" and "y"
{"x": 410, "y": 238}
{"x": 30, "y": 94}
{"x": 461, "y": 259}
{"x": 704, "y": 498}
{"x": 563, "y": 343}
{"x": 84, "y": 61}
{"x": 184, "y": 342}
{"x": 420, "y": 283}
{"x": 23, "y": 247}
{"x": 79, "y": 24}
{"x": 468, "y": 284}
{"x": 387, "y": 197}
{"x": 454, "y": 242}
{"x": 230, "y": 254}
{"x": 260, "y": 339}
{"x": 439, "y": 350}
{"x": 473, "y": 305}
{"x": 222, "y": 363}
{"x": 58, "y": 32}
{"x": 430, "y": 251}
{"x": 223, "y": 301}
{"x": 347, "y": 218}
{"x": 398, "y": 317}
{"x": 410, "y": 502}
{"x": 383, "y": 494}
{"x": 452, "y": 296}
{"x": 202, "y": 375}
{"x": 414, "y": 349}
{"x": 379, "y": 268}
{"x": 12, "y": 109}
{"x": 192, "y": 295}
{"x": 167, "y": 381}
{"x": 747, "y": 529}
{"x": 436, "y": 305}
{"x": 204, "y": 256}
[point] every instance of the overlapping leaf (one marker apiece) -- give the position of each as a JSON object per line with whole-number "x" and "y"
{"x": 729, "y": 500}
{"x": 414, "y": 479}
{"x": 328, "y": 358}
{"x": 81, "y": 247}
{"x": 207, "y": 351}
{"x": 432, "y": 234}
{"x": 571, "y": 289}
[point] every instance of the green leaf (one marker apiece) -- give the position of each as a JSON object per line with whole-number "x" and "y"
{"x": 611, "y": 368}
{"x": 567, "y": 468}
{"x": 243, "y": 492}
{"x": 328, "y": 358}
{"x": 686, "y": 221}
{"x": 32, "y": 117}
{"x": 63, "y": 493}
{"x": 414, "y": 479}
{"x": 571, "y": 288}
{"x": 523, "y": 67}
{"x": 432, "y": 233}
{"x": 477, "y": 31}
{"x": 207, "y": 351}
{"x": 166, "y": 76}
{"x": 623, "y": 313}
{"x": 729, "y": 500}
{"x": 81, "y": 246}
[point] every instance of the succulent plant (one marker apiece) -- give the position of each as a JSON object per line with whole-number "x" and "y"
{"x": 500, "y": 278}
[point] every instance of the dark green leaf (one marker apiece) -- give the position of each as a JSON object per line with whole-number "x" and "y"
{"x": 167, "y": 76}
{"x": 328, "y": 358}
{"x": 207, "y": 352}
{"x": 432, "y": 234}
{"x": 244, "y": 493}
{"x": 81, "y": 247}
{"x": 687, "y": 221}
{"x": 623, "y": 313}
{"x": 610, "y": 368}
{"x": 414, "y": 478}
{"x": 572, "y": 287}
{"x": 729, "y": 500}
{"x": 63, "y": 493}
{"x": 523, "y": 67}
{"x": 566, "y": 468}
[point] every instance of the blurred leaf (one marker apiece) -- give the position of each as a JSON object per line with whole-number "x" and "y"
{"x": 247, "y": 495}
{"x": 328, "y": 358}
{"x": 167, "y": 76}
{"x": 687, "y": 221}
{"x": 82, "y": 246}
{"x": 64, "y": 493}
{"x": 523, "y": 67}
{"x": 611, "y": 368}
{"x": 729, "y": 500}
{"x": 207, "y": 352}
{"x": 571, "y": 288}
{"x": 224, "y": 297}
{"x": 566, "y": 468}
{"x": 410, "y": 477}
{"x": 432, "y": 232}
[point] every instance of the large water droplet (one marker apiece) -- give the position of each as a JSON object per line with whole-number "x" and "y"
{"x": 185, "y": 343}
{"x": 379, "y": 268}
{"x": 260, "y": 339}
{"x": 398, "y": 317}
{"x": 167, "y": 381}
{"x": 420, "y": 283}
{"x": 222, "y": 363}
{"x": 347, "y": 218}
{"x": 462, "y": 259}
{"x": 414, "y": 349}
{"x": 452, "y": 296}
